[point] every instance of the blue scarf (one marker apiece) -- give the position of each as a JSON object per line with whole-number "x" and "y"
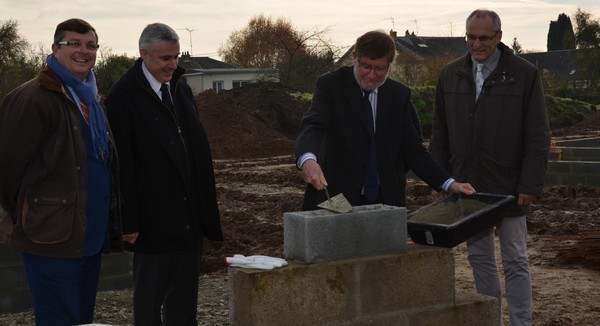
{"x": 87, "y": 93}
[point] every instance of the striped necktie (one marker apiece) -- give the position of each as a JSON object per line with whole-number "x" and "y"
{"x": 478, "y": 79}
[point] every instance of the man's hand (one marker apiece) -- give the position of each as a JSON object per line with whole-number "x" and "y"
{"x": 131, "y": 237}
{"x": 464, "y": 188}
{"x": 313, "y": 175}
{"x": 437, "y": 195}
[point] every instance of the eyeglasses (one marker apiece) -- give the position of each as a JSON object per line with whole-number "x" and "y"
{"x": 367, "y": 67}
{"x": 482, "y": 39}
{"x": 76, "y": 45}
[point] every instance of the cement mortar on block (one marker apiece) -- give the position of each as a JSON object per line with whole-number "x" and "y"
{"x": 321, "y": 235}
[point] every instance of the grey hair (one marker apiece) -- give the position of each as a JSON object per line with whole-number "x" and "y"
{"x": 481, "y": 13}
{"x": 154, "y": 33}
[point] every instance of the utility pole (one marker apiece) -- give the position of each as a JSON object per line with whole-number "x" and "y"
{"x": 416, "y": 25}
{"x": 190, "y": 32}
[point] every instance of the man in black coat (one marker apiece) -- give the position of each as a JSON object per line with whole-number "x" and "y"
{"x": 358, "y": 137}
{"x": 168, "y": 184}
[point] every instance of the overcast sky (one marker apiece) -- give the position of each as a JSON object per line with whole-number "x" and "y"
{"x": 208, "y": 23}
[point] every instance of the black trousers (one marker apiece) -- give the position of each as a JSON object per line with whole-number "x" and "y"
{"x": 167, "y": 282}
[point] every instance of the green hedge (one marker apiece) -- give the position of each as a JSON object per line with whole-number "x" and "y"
{"x": 562, "y": 112}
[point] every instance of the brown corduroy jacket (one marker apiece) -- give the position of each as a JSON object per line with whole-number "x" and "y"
{"x": 43, "y": 175}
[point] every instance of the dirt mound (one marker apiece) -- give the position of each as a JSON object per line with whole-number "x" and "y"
{"x": 593, "y": 121}
{"x": 272, "y": 104}
{"x": 586, "y": 127}
{"x": 233, "y": 133}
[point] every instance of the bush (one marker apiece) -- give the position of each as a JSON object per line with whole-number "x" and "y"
{"x": 562, "y": 112}
{"x": 565, "y": 112}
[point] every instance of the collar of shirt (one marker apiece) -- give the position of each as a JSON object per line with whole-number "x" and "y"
{"x": 154, "y": 84}
{"x": 372, "y": 95}
{"x": 373, "y": 100}
{"x": 489, "y": 64}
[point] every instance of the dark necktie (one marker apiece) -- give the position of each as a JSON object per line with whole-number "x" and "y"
{"x": 371, "y": 187}
{"x": 166, "y": 96}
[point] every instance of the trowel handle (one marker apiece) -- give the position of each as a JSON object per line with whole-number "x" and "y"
{"x": 326, "y": 193}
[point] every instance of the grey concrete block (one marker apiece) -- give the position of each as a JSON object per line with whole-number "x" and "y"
{"x": 593, "y": 181}
{"x": 298, "y": 294}
{"x": 469, "y": 310}
{"x": 15, "y": 300}
{"x": 115, "y": 273}
{"x": 422, "y": 277}
{"x": 412, "y": 288}
{"x": 8, "y": 255}
{"x": 581, "y": 154}
{"x": 586, "y": 168}
{"x": 322, "y": 235}
{"x": 477, "y": 309}
{"x": 560, "y": 167}
{"x": 116, "y": 264}
{"x": 12, "y": 277}
{"x": 581, "y": 142}
{"x": 552, "y": 179}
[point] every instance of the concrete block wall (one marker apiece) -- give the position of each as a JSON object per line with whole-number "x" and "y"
{"x": 578, "y": 163}
{"x": 579, "y": 142}
{"x": 14, "y": 294}
{"x": 322, "y": 235}
{"x": 573, "y": 173}
{"x": 411, "y": 288}
{"x": 590, "y": 154}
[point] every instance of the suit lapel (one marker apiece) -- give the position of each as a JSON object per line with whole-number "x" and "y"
{"x": 382, "y": 111}
{"x": 159, "y": 124}
{"x": 355, "y": 96}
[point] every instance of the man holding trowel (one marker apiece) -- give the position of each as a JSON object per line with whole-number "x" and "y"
{"x": 358, "y": 137}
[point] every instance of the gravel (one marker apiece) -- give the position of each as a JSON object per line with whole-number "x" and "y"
{"x": 114, "y": 307}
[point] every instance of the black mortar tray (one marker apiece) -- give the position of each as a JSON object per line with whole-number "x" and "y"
{"x": 450, "y": 221}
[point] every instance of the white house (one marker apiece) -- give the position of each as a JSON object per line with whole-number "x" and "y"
{"x": 203, "y": 73}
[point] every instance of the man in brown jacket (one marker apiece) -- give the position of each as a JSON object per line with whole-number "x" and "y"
{"x": 57, "y": 173}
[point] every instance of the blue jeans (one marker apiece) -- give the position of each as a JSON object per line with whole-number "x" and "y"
{"x": 63, "y": 291}
{"x": 512, "y": 233}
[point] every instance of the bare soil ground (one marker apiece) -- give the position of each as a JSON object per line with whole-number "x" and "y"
{"x": 257, "y": 182}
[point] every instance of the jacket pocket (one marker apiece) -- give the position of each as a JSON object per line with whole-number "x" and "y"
{"x": 48, "y": 219}
{"x": 499, "y": 178}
